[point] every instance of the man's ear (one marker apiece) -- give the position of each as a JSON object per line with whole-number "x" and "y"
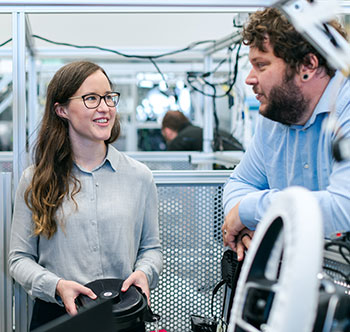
{"x": 61, "y": 111}
{"x": 309, "y": 68}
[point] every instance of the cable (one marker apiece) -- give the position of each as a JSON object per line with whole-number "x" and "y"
{"x": 191, "y": 77}
{"x": 6, "y": 42}
{"x": 345, "y": 276}
{"x": 222, "y": 61}
{"x": 187, "y": 48}
{"x": 151, "y": 58}
{"x": 342, "y": 246}
{"x": 218, "y": 142}
{"x": 161, "y": 74}
{"x": 223, "y": 302}
{"x": 147, "y": 57}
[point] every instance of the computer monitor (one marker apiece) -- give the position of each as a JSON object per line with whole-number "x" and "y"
{"x": 97, "y": 317}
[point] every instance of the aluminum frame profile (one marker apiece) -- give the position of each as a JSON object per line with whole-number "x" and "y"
{"x": 187, "y": 156}
{"x": 133, "y": 6}
{"x": 225, "y": 42}
{"x": 65, "y": 6}
{"x": 191, "y": 177}
{"x": 5, "y": 225}
{"x": 22, "y": 302}
{"x": 208, "y": 132}
{"x": 19, "y": 98}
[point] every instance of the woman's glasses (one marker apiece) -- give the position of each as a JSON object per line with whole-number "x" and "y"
{"x": 93, "y": 100}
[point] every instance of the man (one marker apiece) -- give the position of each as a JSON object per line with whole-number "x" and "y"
{"x": 295, "y": 87}
{"x": 181, "y": 135}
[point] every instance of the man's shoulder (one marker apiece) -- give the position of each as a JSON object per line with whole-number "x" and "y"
{"x": 188, "y": 139}
{"x": 191, "y": 129}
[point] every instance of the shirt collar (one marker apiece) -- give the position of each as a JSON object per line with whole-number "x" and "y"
{"x": 112, "y": 157}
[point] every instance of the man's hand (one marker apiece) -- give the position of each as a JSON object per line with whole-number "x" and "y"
{"x": 68, "y": 291}
{"x": 235, "y": 234}
{"x": 232, "y": 227}
{"x": 139, "y": 279}
{"x": 243, "y": 242}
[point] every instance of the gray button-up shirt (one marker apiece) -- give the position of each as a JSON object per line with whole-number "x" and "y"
{"x": 113, "y": 232}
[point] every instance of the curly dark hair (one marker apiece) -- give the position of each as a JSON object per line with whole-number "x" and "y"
{"x": 287, "y": 43}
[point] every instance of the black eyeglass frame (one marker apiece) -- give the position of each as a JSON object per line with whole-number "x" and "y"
{"x": 101, "y": 97}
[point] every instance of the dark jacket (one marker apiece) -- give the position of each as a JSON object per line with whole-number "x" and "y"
{"x": 190, "y": 138}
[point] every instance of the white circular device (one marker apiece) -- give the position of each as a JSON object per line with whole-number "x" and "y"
{"x": 278, "y": 288}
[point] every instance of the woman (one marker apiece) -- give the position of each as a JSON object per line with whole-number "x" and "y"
{"x": 83, "y": 211}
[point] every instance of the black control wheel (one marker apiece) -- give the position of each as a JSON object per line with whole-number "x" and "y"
{"x": 278, "y": 287}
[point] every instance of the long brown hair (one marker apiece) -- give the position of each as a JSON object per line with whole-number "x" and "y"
{"x": 53, "y": 159}
{"x": 287, "y": 43}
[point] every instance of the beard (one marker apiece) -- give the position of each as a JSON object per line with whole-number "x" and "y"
{"x": 287, "y": 103}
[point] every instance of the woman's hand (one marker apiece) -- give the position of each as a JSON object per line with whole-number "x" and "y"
{"x": 68, "y": 291}
{"x": 139, "y": 279}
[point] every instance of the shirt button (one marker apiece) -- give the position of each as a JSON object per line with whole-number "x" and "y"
{"x": 96, "y": 184}
{"x": 306, "y": 166}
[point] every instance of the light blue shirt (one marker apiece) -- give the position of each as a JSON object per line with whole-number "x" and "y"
{"x": 280, "y": 156}
{"x": 113, "y": 232}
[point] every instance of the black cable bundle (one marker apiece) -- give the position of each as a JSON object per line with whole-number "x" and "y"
{"x": 340, "y": 242}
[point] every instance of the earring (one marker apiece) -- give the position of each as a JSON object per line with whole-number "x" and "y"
{"x": 305, "y": 77}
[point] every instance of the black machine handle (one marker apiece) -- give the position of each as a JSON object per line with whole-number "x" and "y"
{"x": 148, "y": 315}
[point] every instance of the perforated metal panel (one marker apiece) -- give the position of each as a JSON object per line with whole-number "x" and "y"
{"x": 190, "y": 219}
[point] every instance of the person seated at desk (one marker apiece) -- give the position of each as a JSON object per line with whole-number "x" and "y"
{"x": 181, "y": 135}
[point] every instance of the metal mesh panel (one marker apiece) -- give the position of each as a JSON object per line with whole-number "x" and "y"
{"x": 190, "y": 219}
